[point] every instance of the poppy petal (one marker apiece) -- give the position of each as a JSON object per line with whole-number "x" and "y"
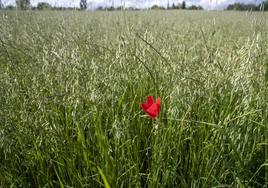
{"x": 143, "y": 106}
{"x": 148, "y": 103}
{"x": 153, "y": 110}
{"x": 150, "y": 107}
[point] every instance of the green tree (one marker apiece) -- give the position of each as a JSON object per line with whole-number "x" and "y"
{"x": 83, "y": 4}
{"x": 23, "y": 4}
{"x": 154, "y": 7}
{"x": 195, "y": 7}
{"x": 183, "y": 5}
{"x": 265, "y": 5}
{"x": 9, "y": 7}
{"x": 1, "y": 4}
{"x": 242, "y": 7}
{"x": 43, "y": 5}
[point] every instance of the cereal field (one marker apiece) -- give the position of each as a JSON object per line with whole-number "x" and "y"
{"x": 71, "y": 85}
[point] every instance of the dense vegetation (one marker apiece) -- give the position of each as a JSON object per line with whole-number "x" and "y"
{"x": 71, "y": 84}
{"x": 249, "y": 7}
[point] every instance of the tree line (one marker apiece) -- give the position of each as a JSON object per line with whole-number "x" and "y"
{"x": 253, "y": 7}
{"x": 26, "y": 4}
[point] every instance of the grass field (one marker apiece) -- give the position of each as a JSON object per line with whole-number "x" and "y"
{"x": 71, "y": 84}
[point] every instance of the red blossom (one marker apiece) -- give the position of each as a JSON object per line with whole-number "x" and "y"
{"x": 150, "y": 107}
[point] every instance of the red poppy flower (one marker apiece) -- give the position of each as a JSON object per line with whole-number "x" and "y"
{"x": 150, "y": 107}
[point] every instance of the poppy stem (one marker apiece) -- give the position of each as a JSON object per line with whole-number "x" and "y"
{"x": 150, "y": 73}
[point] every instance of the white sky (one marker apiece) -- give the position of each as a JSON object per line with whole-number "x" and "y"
{"x": 207, "y": 4}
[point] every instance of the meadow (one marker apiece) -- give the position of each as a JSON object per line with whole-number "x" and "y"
{"x": 71, "y": 84}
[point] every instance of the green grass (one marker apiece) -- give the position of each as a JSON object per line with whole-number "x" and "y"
{"x": 71, "y": 84}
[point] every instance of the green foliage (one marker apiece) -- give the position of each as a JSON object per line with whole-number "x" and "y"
{"x": 183, "y": 5}
{"x": 83, "y": 4}
{"x": 252, "y": 7}
{"x": 70, "y": 89}
{"x": 194, "y": 7}
{"x": 241, "y": 7}
{"x": 10, "y": 7}
{"x": 23, "y": 4}
{"x": 43, "y": 5}
{"x": 264, "y": 5}
{"x": 156, "y": 7}
{"x": 174, "y": 6}
{"x": 1, "y": 4}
